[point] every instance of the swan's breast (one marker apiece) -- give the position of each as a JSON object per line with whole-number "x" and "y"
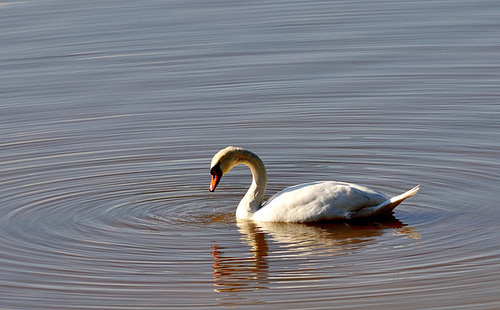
{"x": 318, "y": 201}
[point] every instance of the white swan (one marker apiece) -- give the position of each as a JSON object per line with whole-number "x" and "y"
{"x": 310, "y": 202}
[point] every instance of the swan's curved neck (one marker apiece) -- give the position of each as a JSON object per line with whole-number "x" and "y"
{"x": 252, "y": 200}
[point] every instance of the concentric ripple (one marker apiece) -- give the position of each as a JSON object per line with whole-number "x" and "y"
{"x": 110, "y": 227}
{"x": 94, "y": 224}
{"x": 110, "y": 113}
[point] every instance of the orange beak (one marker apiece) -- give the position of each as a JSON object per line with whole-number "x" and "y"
{"x": 216, "y": 176}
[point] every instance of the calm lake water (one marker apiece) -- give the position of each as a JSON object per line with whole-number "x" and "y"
{"x": 110, "y": 112}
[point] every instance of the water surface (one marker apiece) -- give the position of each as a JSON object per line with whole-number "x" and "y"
{"x": 111, "y": 111}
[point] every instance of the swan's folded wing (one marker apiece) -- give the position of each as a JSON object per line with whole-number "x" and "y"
{"x": 317, "y": 202}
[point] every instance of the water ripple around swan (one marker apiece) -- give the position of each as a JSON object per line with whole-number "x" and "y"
{"x": 110, "y": 113}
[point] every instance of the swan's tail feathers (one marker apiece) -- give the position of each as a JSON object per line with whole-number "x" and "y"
{"x": 385, "y": 207}
{"x": 396, "y": 200}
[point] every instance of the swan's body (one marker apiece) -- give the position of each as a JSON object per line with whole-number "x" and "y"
{"x": 309, "y": 202}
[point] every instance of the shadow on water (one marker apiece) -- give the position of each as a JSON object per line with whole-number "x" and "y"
{"x": 310, "y": 241}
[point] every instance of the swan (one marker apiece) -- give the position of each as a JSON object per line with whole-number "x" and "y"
{"x": 309, "y": 202}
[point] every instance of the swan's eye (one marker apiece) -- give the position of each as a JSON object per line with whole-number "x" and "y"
{"x": 216, "y": 171}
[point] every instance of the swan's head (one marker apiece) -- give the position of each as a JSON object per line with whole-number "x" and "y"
{"x": 224, "y": 161}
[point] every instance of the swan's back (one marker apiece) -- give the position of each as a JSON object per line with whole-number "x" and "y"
{"x": 319, "y": 201}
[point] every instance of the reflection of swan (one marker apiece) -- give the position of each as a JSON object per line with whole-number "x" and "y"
{"x": 238, "y": 274}
{"x": 331, "y": 238}
{"x": 233, "y": 274}
{"x": 308, "y": 202}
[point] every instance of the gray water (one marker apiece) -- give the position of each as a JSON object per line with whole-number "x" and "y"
{"x": 110, "y": 112}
